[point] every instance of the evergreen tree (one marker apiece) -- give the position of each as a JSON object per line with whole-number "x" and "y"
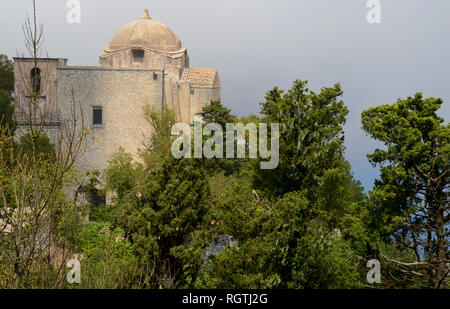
{"x": 6, "y": 74}
{"x": 217, "y": 113}
{"x": 411, "y": 199}
{"x": 163, "y": 209}
{"x": 6, "y": 109}
{"x": 300, "y": 229}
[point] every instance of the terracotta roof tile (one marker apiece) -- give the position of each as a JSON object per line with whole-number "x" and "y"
{"x": 200, "y": 77}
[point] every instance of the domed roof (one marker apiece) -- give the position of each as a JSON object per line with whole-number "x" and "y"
{"x": 146, "y": 33}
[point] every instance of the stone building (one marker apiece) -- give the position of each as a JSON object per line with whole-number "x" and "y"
{"x": 144, "y": 64}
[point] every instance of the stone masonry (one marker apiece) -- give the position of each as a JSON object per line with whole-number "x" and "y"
{"x": 144, "y": 65}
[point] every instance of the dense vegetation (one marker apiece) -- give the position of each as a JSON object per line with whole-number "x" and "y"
{"x": 226, "y": 223}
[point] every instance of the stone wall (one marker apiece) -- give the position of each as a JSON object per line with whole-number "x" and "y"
{"x": 202, "y": 96}
{"x": 122, "y": 94}
{"x": 48, "y": 84}
{"x": 186, "y": 100}
{"x": 47, "y": 99}
{"x": 173, "y": 62}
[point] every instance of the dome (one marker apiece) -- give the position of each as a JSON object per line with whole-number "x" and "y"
{"x": 145, "y": 33}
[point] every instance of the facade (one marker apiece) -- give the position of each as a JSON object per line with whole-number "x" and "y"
{"x": 144, "y": 65}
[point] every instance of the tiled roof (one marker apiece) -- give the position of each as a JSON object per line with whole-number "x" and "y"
{"x": 200, "y": 77}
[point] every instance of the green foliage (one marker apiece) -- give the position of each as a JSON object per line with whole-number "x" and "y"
{"x": 163, "y": 201}
{"x": 311, "y": 136}
{"x": 40, "y": 144}
{"x": 120, "y": 175}
{"x": 93, "y": 194}
{"x": 281, "y": 244}
{"x": 6, "y": 109}
{"x": 168, "y": 214}
{"x": 6, "y": 74}
{"x": 410, "y": 201}
{"x": 217, "y": 113}
{"x": 303, "y": 227}
{"x": 29, "y": 218}
{"x": 107, "y": 260}
{"x": 311, "y": 152}
{"x": 306, "y": 224}
{"x": 161, "y": 119}
{"x": 250, "y": 119}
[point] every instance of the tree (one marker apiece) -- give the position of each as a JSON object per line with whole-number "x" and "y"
{"x": 295, "y": 225}
{"x": 107, "y": 258}
{"x": 280, "y": 243}
{"x": 311, "y": 149}
{"x": 43, "y": 146}
{"x": 217, "y": 113}
{"x": 411, "y": 199}
{"x": 163, "y": 202}
{"x": 6, "y": 109}
{"x": 6, "y": 74}
{"x": 36, "y": 220}
{"x": 311, "y": 137}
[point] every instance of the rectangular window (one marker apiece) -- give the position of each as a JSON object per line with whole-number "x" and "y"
{"x": 97, "y": 119}
{"x": 138, "y": 55}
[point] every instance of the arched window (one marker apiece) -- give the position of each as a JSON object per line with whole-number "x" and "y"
{"x": 36, "y": 80}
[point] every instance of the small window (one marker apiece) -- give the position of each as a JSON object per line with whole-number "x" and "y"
{"x": 36, "y": 80}
{"x": 138, "y": 55}
{"x": 97, "y": 119}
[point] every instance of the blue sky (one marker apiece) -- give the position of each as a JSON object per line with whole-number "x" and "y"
{"x": 259, "y": 44}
